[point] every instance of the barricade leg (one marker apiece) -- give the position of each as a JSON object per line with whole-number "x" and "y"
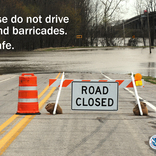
{"x": 58, "y": 95}
{"x": 136, "y": 95}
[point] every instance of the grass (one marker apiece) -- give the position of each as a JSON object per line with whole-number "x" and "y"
{"x": 52, "y": 48}
{"x": 149, "y": 79}
{"x": 64, "y": 48}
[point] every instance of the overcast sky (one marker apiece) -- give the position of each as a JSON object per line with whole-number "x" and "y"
{"x": 129, "y": 9}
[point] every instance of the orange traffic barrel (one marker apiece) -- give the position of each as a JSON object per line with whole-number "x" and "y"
{"x": 28, "y": 95}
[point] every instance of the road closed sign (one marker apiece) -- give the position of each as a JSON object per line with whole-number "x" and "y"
{"x": 96, "y": 96}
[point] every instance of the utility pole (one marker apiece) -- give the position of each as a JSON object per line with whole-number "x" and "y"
{"x": 96, "y": 24}
{"x": 142, "y": 29}
{"x": 149, "y": 35}
{"x": 123, "y": 31}
{"x": 75, "y": 22}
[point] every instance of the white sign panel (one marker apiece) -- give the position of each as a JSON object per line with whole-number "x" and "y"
{"x": 97, "y": 96}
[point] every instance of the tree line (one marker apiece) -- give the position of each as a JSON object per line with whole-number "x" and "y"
{"x": 92, "y": 19}
{"x": 89, "y": 18}
{"x": 76, "y": 11}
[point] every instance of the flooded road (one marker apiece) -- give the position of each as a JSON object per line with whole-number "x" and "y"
{"x": 106, "y": 60}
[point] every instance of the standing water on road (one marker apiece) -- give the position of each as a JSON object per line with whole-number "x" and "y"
{"x": 106, "y": 60}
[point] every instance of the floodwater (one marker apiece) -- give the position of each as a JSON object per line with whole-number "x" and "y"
{"x": 106, "y": 60}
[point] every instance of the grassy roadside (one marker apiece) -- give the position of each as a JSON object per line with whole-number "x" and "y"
{"x": 52, "y": 48}
{"x": 72, "y": 47}
{"x": 149, "y": 79}
{"x": 64, "y": 48}
{"x": 106, "y": 48}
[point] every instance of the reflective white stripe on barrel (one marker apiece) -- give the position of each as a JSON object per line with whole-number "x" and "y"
{"x": 27, "y": 88}
{"x": 28, "y": 100}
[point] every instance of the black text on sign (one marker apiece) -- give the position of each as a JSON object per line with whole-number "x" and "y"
{"x": 94, "y": 96}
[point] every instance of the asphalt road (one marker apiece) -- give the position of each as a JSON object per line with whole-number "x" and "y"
{"x": 75, "y": 133}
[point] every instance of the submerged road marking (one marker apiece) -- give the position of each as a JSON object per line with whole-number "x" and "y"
{"x": 8, "y": 78}
{"x": 17, "y": 129}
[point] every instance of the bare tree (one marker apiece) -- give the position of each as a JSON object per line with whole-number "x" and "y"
{"x": 110, "y": 8}
{"x": 141, "y": 5}
{"x": 95, "y": 16}
{"x": 149, "y": 6}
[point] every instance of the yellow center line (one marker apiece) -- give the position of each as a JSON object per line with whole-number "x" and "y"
{"x": 41, "y": 104}
{"x": 41, "y": 94}
{"x": 9, "y": 137}
{"x": 17, "y": 129}
{"x": 11, "y": 119}
{"x": 8, "y": 122}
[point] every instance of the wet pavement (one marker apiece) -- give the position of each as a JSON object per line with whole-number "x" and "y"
{"x": 106, "y": 60}
{"x": 77, "y": 132}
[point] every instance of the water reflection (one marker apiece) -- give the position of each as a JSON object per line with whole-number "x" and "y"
{"x": 151, "y": 69}
{"x": 118, "y": 60}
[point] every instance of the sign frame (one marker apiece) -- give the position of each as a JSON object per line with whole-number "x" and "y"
{"x": 99, "y": 83}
